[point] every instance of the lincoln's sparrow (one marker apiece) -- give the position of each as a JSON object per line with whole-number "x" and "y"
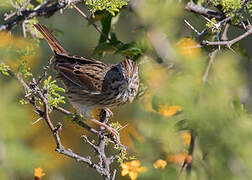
{"x": 90, "y": 83}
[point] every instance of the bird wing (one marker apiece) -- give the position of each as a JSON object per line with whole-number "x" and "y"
{"x": 86, "y": 73}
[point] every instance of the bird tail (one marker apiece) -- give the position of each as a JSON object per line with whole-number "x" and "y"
{"x": 50, "y": 39}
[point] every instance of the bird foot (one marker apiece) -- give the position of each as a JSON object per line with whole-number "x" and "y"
{"x": 110, "y": 113}
{"x": 110, "y": 129}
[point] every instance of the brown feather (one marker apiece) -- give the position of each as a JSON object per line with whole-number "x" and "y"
{"x": 83, "y": 76}
{"x": 50, "y": 39}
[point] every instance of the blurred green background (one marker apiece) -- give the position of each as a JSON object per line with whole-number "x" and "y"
{"x": 174, "y": 100}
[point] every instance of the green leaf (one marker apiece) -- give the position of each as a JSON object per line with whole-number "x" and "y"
{"x": 106, "y": 25}
{"x": 129, "y": 50}
{"x": 99, "y": 15}
{"x": 238, "y": 106}
{"x": 111, "y": 6}
{"x": 105, "y": 47}
{"x": 54, "y": 98}
{"x": 4, "y": 69}
{"x": 22, "y": 69}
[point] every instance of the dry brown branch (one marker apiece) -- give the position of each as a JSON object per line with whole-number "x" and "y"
{"x": 210, "y": 63}
{"x": 230, "y": 42}
{"x": 103, "y": 167}
{"x": 42, "y": 10}
{"x": 191, "y": 6}
{"x": 219, "y": 16}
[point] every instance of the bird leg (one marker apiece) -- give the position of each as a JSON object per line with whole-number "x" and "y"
{"x": 113, "y": 131}
{"x": 110, "y": 113}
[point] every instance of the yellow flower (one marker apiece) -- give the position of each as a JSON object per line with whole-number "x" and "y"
{"x": 169, "y": 111}
{"x": 186, "y": 137}
{"x": 188, "y": 48}
{"x": 38, "y": 173}
{"x": 160, "y": 164}
{"x": 6, "y": 39}
{"x": 13, "y": 41}
{"x": 132, "y": 168}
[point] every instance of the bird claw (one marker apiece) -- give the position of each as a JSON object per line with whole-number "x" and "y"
{"x": 110, "y": 113}
{"x": 110, "y": 129}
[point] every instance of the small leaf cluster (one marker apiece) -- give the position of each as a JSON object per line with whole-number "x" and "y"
{"x": 4, "y": 69}
{"x": 228, "y": 6}
{"x": 19, "y": 4}
{"x": 23, "y": 101}
{"x": 231, "y": 6}
{"x": 52, "y": 89}
{"x": 22, "y": 69}
{"x": 249, "y": 6}
{"x": 132, "y": 49}
{"x": 111, "y": 6}
{"x": 122, "y": 156}
{"x": 211, "y": 26}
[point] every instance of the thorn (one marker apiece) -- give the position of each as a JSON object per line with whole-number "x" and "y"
{"x": 24, "y": 29}
{"x": 36, "y": 111}
{"x": 218, "y": 39}
{"x": 232, "y": 50}
{"x": 248, "y": 22}
{"x": 217, "y": 25}
{"x": 123, "y": 127}
{"x": 243, "y": 24}
{"x": 195, "y": 30}
{"x": 28, "y": 94}
{"x": 37, "y": 120}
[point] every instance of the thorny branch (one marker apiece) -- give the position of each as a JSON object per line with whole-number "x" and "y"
{"x": 210, "y": 63}
{"x": 45, "y": 9}
{"x": 21, "y": 15}
{"x": 33, "y": 91}
{"x": 191, "y": 6}
{"x": 224, "y": 24}
{"x": 230, "y": 42}
{"x": 209, "y": 13}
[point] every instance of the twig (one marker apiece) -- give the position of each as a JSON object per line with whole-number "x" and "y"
{"x": 43, "y": 4}
{"x": 46, "y": 68}
{"x": 235, "y": 13}
{"x": 231, "y": 42}
{"x": 91, "y": 22}
{"x": 114, "y": 175}
{"x": 194, "y": 29}
{"x": 79, "y": 122}
{"x": 43, "y": 10}
{"x": 206, "y": 12}
{"x": 188, "y": 162}
{"x": 190, "y": 152}
{"x": 224, "y": 33}
{"x": 90, "y": 143}
{"x": 200, "y": 35}
{"x": 104, "y": 161}
{"x": 191, "y": 6}
{"x": 210, "y": 63}
{"x": 18, "y": 11}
